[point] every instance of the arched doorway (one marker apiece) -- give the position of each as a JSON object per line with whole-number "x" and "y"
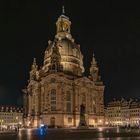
{"x": 52, "y": 122}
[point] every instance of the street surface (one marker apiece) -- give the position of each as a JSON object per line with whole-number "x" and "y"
{"x": 72, "y": 134}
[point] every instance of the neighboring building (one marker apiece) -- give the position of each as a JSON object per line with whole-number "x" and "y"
{"x": 11, "y": 116}
{"x": 55, "y": 92}
{"x": 122, "y": 112}
{"x": 135, "y": 113}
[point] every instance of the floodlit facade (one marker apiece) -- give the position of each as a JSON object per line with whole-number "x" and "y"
{"x": 123, "y": 113}
{"x": 55, "y": 91}
{"x": 10, "y": 116}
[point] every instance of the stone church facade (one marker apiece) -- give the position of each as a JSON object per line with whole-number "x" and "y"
{"x": 55, "y": 92}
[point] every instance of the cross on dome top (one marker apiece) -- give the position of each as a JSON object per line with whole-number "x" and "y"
{"x": 63, "y": 9}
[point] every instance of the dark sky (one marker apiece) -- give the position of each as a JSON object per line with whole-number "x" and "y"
{"x": 110, "y": 29}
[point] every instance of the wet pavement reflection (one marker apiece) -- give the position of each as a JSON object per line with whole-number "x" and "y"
{"x": 72, "y": 134}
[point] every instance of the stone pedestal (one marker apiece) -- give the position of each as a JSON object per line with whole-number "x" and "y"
{"x": 82, "y": 123}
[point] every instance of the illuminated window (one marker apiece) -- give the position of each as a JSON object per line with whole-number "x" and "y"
{"x": 53, "y": 100}
{"x": 68, "y": 101}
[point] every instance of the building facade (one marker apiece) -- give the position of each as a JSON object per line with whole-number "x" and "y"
{"x": 10, "y": 116}
{"x": 123, "y": 113}
{"x": 55, "y": 92}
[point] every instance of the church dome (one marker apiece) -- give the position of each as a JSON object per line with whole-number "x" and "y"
{"x": 67, "y": 47}
{"x": 71, "y": 56}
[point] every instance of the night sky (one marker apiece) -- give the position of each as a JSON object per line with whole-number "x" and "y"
{"x": 110, "y": 29}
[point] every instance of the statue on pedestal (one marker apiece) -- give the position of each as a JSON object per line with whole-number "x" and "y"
{"x": 82, "y": 123}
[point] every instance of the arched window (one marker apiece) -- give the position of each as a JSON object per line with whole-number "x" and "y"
{"x": 68, "y": 101}
{"x": 83, "y": 98}
{"x": 68, "y": 96}
{"x": 53, "y": 67}
{"x": 53, "y": 100}
{"x": 93, "y": 104}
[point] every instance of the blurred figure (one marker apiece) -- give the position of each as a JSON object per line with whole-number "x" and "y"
{"x": 43, "y": 129}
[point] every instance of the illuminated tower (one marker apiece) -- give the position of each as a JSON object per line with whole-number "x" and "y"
{"x": 94, "y": 69}
{"x": 34, "y": 70}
